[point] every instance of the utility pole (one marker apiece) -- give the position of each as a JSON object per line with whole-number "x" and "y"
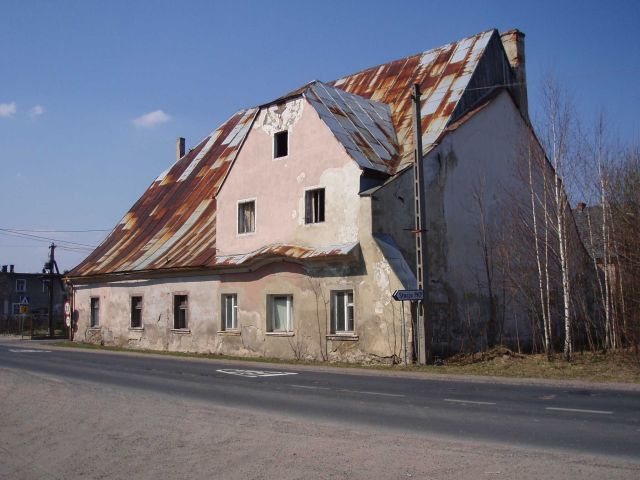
{"x": 50, "y": 265}
{"x": 422, "y": 265}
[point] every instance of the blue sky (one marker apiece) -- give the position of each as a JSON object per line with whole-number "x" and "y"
{"x": 78, "y": 78}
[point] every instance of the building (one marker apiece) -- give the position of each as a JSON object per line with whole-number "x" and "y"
{"x": 286, "y": 230}
{"x": 29, "y": 290}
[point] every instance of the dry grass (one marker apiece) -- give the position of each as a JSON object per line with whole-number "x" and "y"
{"x": 619, "y": 366}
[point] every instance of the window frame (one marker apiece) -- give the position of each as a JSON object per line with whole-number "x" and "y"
{"x": 272, "y": 313}
{"x": 234, "y": 312}
{"x": 308, "y": 205}
{"x": 274, "y": 148}
{"x": 335, "y": 294}
{"x": 23, "y": 282}
{"x": 14, "y": 310}
{"x": 255, "y": 216}
{"x": 94, "y": 320}
{"x": 141, "y": 309}
{"x": 178, "y": 307}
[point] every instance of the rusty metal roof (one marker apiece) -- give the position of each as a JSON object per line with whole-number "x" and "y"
{"x": 443, "y": 75}
{"x": 287, "y": 251}
{"x": 173, "y": 224}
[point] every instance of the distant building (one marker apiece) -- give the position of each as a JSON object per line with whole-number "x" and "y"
{"x": 28, "y": 288}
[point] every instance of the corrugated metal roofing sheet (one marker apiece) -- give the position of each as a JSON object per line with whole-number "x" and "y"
{"x": 173, "y": 224}
{"x": 442, "y": 73}
{"x": 364, "y": 127}
{"x": 287, "y": 251}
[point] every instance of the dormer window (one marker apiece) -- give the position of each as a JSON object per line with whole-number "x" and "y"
{"x": 281, "y": 144}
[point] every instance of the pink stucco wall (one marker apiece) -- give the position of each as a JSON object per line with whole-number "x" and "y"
{"x": 315, "y": 159}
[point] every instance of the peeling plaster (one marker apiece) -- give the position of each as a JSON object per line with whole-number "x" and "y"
{"x": 280, "y": 117}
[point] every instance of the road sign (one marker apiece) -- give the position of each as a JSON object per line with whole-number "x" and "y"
{"x": 24, "y": 300}
{"x": 409, "y": 295}
{"x": 24, "y": 309}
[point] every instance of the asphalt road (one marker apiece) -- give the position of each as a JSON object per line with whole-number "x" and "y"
{"x": 583, "y": 420}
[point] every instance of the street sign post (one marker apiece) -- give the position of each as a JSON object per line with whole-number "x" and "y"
{"x": 408, "y": 295}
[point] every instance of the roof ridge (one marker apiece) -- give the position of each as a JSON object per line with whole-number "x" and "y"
{"x": 413, "y": 55}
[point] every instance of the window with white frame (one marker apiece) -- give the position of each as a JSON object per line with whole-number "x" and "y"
{"x": 136, "y": 311}
{"x": 281, "y": 144}
{"x": 21, "y": 285}
{"x": 247, "y": 217}
{"x": 314, "y": 206}
{"x": 180, "y": 312}
{"x": 95, "y": 311}
{"x": 342, "y": 311}
{"x": 45, "y": 286}
{"x": 15, "y": 308}
{"x": 229, "y": 311}
{"x": 280, "y": 313}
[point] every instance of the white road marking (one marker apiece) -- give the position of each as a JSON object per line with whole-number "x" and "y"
{"x": 454, "y": 400}
{"x": 382, "y": 394}
{"x": 580, "y": 410}
{"x": 253, "y": 373}
{"x": 310, "y": 387}
{"x": 27, "y": 350}
{"x": 370, "y": 393}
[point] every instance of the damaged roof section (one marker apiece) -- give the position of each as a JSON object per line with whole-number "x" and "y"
{"x": 174, "y": 223}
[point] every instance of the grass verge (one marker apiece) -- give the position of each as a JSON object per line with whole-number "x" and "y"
{"x": 618, "y": 366}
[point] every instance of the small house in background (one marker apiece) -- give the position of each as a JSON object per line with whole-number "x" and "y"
{"x": 285, "y": 231}
{"x": 30, "y": 290}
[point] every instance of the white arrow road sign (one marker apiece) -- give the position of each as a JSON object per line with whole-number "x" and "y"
{"x": 253, "y": 373}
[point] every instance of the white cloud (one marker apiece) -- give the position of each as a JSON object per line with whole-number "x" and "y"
{"x": 36, "y": 111}
{"x": 151, "y": 119}
{"x": 7, "y": 109}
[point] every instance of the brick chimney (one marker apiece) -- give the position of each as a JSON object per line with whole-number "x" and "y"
{"x": 513, "y": 43}
{"x": 10, "y": 268}
{"x": 179, "y": 148}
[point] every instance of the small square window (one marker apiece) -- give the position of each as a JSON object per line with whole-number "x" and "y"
{"x": 247, "y": 217}
{"x": 136, "y": 312}
{"x": 280, "y": 313}
{"x": 281, "y": 144}
{"x": 314, "y": 206}
{"x": 95, "y": 311}
{"x": 342, "y": 311}
{"x": 180, "y": 312}
{"x": 229, "y": 311}
{"x": 21, "y": 285}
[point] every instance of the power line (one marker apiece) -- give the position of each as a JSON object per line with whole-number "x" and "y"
{"x": 6, "y": 231}
{"x": 33, "y": 230}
